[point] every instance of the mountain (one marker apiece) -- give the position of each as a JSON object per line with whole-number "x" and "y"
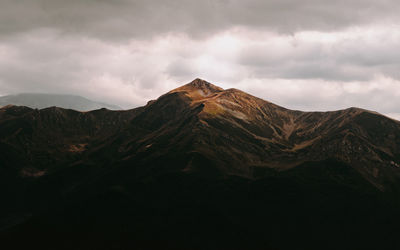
{"x": 199, "y": 168}
{"x": 41, "y": 101}
{"x": 246, "y": 136}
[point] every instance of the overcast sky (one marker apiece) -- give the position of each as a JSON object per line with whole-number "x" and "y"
{"x": 301, "y": 54}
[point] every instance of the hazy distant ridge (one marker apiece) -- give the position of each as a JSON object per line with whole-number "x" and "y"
{"x": 49, "y": 100}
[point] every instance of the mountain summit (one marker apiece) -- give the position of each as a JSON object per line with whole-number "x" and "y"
{"x": 198, "y": 88}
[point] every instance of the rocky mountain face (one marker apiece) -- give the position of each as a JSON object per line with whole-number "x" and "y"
{"x": 201, "y": 168}
{"x": 40, "y": 101}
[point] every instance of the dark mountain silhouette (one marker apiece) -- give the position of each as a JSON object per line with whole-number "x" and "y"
{"x": 199, "y": 168}
{"x": 40, "y": 101}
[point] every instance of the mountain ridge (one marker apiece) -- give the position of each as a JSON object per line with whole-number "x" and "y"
{"x": 198, "y": 113}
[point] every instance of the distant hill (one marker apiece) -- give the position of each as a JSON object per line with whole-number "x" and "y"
{"x": 41, "y": 101}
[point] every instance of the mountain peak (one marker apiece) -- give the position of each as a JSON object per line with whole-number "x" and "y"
{"x": 202, "y": 84}
{"x": 198, "y": 89}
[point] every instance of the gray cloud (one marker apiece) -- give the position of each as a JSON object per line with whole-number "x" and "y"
{"x": 138, "y": 18}
{"x": 349, "y": 57}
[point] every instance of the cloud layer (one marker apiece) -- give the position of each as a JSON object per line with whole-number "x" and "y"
{"x": 312, "y": 55}
{"x": 140, "y": 18}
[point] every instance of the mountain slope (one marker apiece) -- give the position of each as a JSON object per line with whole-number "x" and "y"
{"x": 53, "y": 137}
{"x": 41, "y": 101}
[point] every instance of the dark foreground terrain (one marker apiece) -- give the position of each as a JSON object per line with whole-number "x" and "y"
{"x": 199, "y": 168}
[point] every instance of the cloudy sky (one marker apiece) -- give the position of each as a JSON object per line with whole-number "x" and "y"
{"x": 301, "y": 54}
